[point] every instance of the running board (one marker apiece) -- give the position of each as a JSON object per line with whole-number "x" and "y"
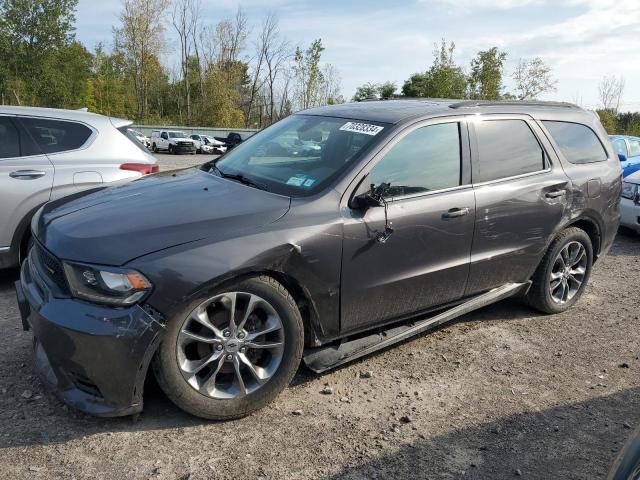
{"x": 325, "y": 358}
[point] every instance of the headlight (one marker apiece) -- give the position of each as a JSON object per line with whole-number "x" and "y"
{"x": 629, "y": 190}
{"x": 113, "y": 286}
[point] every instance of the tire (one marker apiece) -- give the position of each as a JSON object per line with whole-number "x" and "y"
{"x": 203, "y": 397}
{"x": 170, "y": 150}
{"x": 154, "y": 148}
{"x": 541, "y": 295}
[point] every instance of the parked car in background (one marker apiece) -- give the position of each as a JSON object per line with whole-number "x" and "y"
{"x": 408, "y": 215}
{"x": 141, "y": 137}
{"x": 628, "y": 150}
{"x": 231, "y": 140}
{"x": 172, "y": 141}
{"x": 207, "y": 144}
{"x": 630, "y": 205}
{"x": 46, "y": 154}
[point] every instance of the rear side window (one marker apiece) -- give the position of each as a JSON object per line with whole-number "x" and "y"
{"x": 426, "y": 159}
{"x": 9, "y": 139}
{"x": 131, "y": 135}
{"x": 577, "y": 142}
{"x": 620, "y": 147}
{"x": 53, "y": 136}
{"x": 634, "y": 148}
{"x": 506, "y": 148}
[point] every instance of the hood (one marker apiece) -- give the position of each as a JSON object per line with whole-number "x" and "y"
{"x": 181, "y": 139}
{"x": 115, "y": 225}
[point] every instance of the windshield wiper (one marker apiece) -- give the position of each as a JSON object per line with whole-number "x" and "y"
{"x": 240, "y": 178}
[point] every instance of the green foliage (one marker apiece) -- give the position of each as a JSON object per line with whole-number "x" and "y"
{"x": 485, "y": 79}
{"x": 387, "y": 90}
{"x": 609, "y": 121}
{"x": 306, "y": 67}
{"x": 444, "y": 79}
{"x": 374, "y": 91}
{"x": 368, "y": 91}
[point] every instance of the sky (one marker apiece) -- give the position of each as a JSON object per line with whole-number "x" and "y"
{"x": 376, "y": 40}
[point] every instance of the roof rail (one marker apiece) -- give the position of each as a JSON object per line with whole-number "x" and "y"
{"x": 521, "y": 103}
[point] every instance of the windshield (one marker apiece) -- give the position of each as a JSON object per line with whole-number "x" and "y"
{"x": 177, "y": 135}
{"x": 300, "y": 154}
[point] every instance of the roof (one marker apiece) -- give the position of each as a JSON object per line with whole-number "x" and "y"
{"x": 396, "y": 111}
{"x": 78, "y": 115}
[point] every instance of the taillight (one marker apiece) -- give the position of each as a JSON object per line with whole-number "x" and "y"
{"x": 143, "y": 168}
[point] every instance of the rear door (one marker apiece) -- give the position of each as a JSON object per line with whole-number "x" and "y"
{"x": 424, "y": 263}
{"x": 26, "y": 178}
{"x": 521, "y": 196}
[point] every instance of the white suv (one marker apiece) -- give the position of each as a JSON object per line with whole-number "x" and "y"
{"x": 46, "y": 154}
{"x": 173, "y": 141}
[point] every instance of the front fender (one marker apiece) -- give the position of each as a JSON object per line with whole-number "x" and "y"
{"x": 307, "y": 258}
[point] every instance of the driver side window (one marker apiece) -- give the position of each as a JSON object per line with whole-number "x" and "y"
{"x": 427, "y": 159}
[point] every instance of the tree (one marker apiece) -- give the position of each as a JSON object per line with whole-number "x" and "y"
{"x": 609, "y": 121}
{"x": 444, "y": 79}
{"x": 387, "y": 90}
{"x": 485, "y": 79}
{"x": 533, "y": 78}
{"x": 368, "y": 91}
{"x": 32, "y": 35}
{"x": 140, "y": 39}
{"x": 610, "y": 90}
{"x": 185, "y": 23}
{"x": 308, "y": 74}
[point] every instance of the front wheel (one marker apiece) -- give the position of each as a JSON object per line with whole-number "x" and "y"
{"x": 563, "y": 272}
{"x": 154, "y": 148}
{"x": 233, "y": 351}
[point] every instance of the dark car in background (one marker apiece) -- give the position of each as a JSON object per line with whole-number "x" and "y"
{"x": 394, "y": 218}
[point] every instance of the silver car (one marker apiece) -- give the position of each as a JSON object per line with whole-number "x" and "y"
{"x": 46, "y": 154}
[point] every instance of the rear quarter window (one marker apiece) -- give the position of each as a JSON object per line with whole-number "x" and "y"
{"x": 53, "y": 136}
{"x": 577, "y": 142}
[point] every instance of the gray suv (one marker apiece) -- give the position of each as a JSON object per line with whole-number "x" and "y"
{"x": 46, "y": 154}
{"x": 336, "y": 232}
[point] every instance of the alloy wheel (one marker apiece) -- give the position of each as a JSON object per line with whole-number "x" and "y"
{"x": 230, "y": 345}
{"x": 568, "y": 272}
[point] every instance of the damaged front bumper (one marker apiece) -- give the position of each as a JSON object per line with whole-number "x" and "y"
{"x": 95, "y": 358}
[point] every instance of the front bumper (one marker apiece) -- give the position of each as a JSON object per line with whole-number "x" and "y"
{"x": 184, "y": 148}
{"x": 95, "y": 358}
{"x": 630, "y": 214}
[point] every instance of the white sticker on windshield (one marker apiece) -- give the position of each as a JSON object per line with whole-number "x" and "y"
{"x": 296, "y": 181}
{"x": 365, "y": 128}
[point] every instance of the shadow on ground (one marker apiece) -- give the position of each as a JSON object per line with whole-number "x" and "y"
{"x": 540, "y": 445}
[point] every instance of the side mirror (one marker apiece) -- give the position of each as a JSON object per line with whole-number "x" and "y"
{"x": 622, "y": 157}
{"x": 373, "y": 198}
{"x": 365, "y": 201}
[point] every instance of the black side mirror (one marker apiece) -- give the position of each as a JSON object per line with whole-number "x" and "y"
{"x": 622, "y": 157}
{"x": 373, "y": 198}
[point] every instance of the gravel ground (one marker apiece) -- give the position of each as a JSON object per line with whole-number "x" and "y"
{"x": 502, "y": 393}
{"x": 172, "y": 162}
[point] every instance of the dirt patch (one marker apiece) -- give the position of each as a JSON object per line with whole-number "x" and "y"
{"x": 502, "y": 391}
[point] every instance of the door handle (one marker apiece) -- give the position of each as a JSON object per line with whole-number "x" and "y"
{"x": 456, "y": 212}
{"x": 555, "y": 193}
{"x": 27, "y": 174}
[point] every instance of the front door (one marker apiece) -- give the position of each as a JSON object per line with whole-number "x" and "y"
{"x": 26, "y": 178}
{"x": 425, "y": 261}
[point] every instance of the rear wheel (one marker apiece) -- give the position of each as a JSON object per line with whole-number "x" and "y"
{"x": 563, "y": 273}
{"x": 232, "y": 352}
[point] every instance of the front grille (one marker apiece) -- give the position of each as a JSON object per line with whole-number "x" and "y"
{"x": 185, "y": 144}
{"x": 51, "y": 266}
